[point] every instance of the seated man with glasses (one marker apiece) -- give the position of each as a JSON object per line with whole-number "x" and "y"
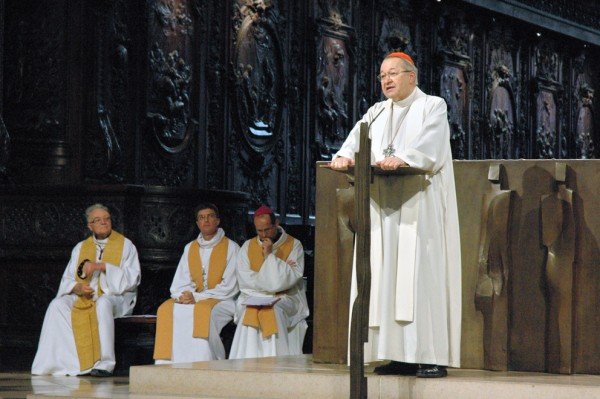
{"x": 272, "y": 307}
{"x": 202, "y": 296}
{"x": 415, "y": 253}
{"x": 99, "y": 284}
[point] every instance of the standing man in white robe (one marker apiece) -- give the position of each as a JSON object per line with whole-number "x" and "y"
{"x": 99, "y": 284}
{"x": 270, "y": 267}
{"x": 202, "y": 296}
{"x": 415, "y": 308}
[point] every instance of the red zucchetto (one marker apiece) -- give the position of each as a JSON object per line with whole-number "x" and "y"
{"x": 399, "y": 54}
{"x": 263, "y": 210}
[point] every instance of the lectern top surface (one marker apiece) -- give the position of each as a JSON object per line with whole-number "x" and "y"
{"x": 404, "y": 170}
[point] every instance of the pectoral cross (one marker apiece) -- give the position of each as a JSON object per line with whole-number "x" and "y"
{"x": 389, "y": 151}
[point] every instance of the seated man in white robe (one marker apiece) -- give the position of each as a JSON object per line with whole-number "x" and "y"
{"x": 270, "y": 270}
{"x": 99, "y": 284}
{"x": 202, "y": 296}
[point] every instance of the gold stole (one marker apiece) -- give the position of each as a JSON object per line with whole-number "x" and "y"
{"x": 163, "y": 346}
{"x": 83, "y": 314}
{"x": 263, "y": 317}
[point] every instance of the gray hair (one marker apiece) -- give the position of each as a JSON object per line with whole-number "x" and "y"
{"x": 410, "y": 67}
{"x": 92, "y": 208}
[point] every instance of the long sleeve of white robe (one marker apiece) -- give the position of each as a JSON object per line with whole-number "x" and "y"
{"x": 275, "y": 275}
{"x": 120, "y": 279}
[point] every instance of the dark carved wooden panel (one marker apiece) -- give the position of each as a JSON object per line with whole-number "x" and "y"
{"x": 333, "y": 80}
{"x": 170, "y": 125}
{"x": 4, "y": 151}
{"x": 215, "y": 77}
{"x": 582, "y": 106}
{"x": 396, "y": 30}
{"x": 454, "y": 44}
{"x": 4, "y": 136}
{"x": 502, "y": 139}
{"x": 35, "y": 88}
{"x": 109, "y": 146}
{"x": 585, "y": 13}
{"x": 297, "y": 197}
{"x": 248, "y": 94}
{"x": 257, "y": 148}
{"x": 548, "y": 89}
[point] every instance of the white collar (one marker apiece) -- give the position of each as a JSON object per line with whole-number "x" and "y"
{"x": 408, "y": 100}
{"x": 207, "y": 244}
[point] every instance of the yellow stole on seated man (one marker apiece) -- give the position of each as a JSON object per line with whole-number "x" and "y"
{"x": 163, "y": 345}
{"x": 263, "y": 317}
{"x": 83, "y": 314}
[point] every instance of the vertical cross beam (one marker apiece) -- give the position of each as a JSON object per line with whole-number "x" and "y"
{"x": 359, "y": 326}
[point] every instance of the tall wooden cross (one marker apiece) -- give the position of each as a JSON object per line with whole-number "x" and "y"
{"x": 359, "y": 327}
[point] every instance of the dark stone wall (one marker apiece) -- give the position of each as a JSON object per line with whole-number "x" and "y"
{"x": 244, "y": 96}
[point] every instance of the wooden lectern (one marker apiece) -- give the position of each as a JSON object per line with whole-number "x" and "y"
{"x": 343, "y": 227}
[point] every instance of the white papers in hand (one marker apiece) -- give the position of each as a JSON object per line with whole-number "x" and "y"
{"x": 261, "y": 300}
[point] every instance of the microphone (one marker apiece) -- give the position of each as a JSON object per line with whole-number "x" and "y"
{"x": 376, "y": 116}
{"x": 370, "y": 123}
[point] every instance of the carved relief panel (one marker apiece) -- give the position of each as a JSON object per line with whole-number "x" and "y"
{"x": 501, "y": 141}
{"x": 393, "y": 33}
{"x": 35, "y": 89}
{"x": 333, "y": 81}
{"x": 547, "y": 72}
{"x": 108, "y": 141}
{"x": 583, "y": 108}
{"x": 258, "y": 72}
{"x": 339, "y": 12}
{"x": 170, "y": 114}
{"x": 454, "y": 48}
{"x": 258, "y": 147}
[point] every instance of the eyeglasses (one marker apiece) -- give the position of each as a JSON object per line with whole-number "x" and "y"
{"x": 208, "y": 217}
{"x": 98, "y": 220}
{"x": 390, "y": 75}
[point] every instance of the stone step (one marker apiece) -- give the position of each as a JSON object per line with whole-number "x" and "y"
{"x": 297, "y": 377}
